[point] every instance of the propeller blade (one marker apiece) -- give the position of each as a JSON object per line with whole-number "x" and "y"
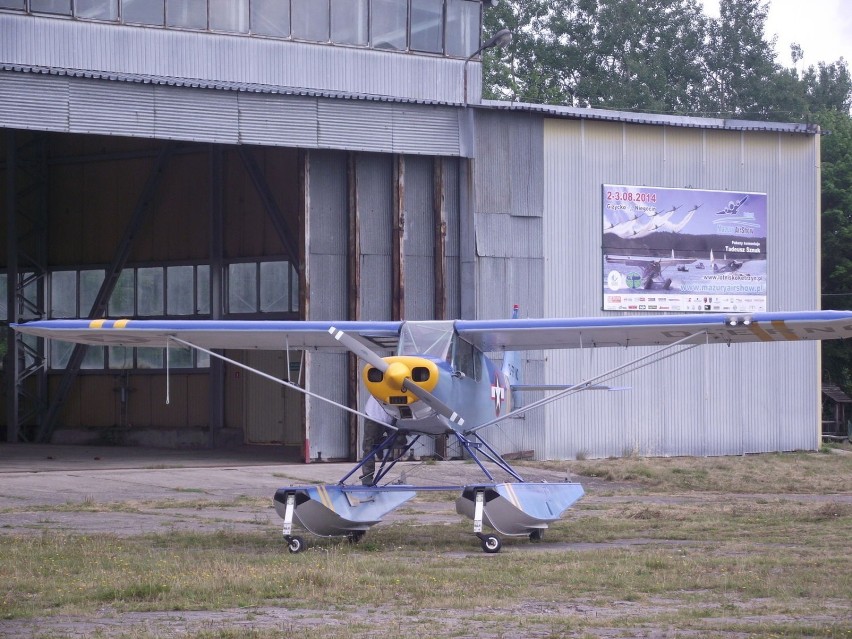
{"x": 365, "y": 353}
{"x": 433, "y": 402}
{"x": 360, "y": 349}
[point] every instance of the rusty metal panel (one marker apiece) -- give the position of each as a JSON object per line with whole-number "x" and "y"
{"x": 508, "y": 170}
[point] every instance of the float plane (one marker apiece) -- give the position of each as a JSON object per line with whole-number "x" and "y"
{"x": 726, "y": 265}
{"x": 652, "y": 268}
{"x": 441, "y": 382}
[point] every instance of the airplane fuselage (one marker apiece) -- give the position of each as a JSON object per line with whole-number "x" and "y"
{"x": 463, "y": 377}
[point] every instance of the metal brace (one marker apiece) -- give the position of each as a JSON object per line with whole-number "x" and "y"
{"x": 479, "y": 508}
{"x": 289, "y": 508}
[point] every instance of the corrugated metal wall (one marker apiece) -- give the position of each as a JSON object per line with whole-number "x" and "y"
{"x": 509, "y": 195}
{"x": 326, "y": 231}
{"x": 419, "y": 239}
{"x": 376, "y": 191}
{"x": 68, "y": 104}
{"x": 374, "y": 176}
{"x": 712, "y": 400}
{"x": 72, "y": 44}
{"x": 452, "y": 213}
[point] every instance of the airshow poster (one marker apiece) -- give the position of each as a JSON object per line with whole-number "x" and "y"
{"x": 683, "y": 249}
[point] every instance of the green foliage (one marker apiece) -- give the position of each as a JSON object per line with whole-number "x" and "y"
{"x": 657, "y": 55}
{"x": 837, "y": 235}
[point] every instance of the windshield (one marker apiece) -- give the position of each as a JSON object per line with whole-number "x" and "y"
{"x": 432, "y": 339}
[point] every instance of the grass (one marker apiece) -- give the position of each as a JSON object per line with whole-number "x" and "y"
{"x": 698, "y": 561}
{"x": 771, "y": 473}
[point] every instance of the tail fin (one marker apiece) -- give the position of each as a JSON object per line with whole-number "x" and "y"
{"x": 512, "y": 369}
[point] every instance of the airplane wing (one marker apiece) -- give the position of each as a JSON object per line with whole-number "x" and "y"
{"x": 644, "y": 261}
{"x": 659, "y": 330}
{"x": 488, "y": 335}
{"x": 235, "y": 334}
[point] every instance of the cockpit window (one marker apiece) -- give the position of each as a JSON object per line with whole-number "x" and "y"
{"x": 432, "y": 339}
{"x": 466, "y": 359}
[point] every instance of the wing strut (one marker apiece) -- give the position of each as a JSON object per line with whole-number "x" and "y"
{"x": 640, "y": 362}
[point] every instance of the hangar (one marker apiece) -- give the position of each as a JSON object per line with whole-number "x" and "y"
{"x": 311, "y": 160}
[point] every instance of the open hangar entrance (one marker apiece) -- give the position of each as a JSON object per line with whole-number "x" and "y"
{"x": 107, "y": 226}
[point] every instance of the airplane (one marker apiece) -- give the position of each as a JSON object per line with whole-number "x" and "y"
{"x": 652, "y": 268}
{"x": 441, "y": 382}
{"x": 733, "y": 207}
{"x": 728, "y": 265}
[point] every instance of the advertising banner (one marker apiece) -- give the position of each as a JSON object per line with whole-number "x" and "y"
{"x": 683, "y": 249}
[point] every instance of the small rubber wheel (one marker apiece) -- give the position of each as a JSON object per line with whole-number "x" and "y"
{"x": 295, "y": 544}
{"x": 536, "y": 535}
{"x": 355, "y": 536}
{"x": 491, "y": 544}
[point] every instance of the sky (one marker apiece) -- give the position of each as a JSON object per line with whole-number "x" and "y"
{"x": 823, "y": 28}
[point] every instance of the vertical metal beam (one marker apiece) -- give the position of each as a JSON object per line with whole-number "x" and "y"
{"x": 467, "y": 239}
{"x": 304, "y": 278}
{"x": 440, "y": 242}
{"x": 440, "y": 267}
{"x": 11, "y": 363}
{"x": 216, "y": 378}
{"x": 354, "y": 289}
{"x": 27, "y": 198}
{"x": 269, "y": 203}
{"x": 99, "y": 306}
{"x": 397, "y": 240}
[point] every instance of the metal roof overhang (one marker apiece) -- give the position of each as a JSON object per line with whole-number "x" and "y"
{"x": 557, "y": 111}
{"x": 91, "y": 102}
{"x": 137, "y": 105}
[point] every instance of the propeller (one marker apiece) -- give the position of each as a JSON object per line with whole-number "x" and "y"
{"x": 398, "y": 372}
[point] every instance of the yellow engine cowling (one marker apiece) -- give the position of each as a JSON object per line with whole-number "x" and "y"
{"x": 387, "y": 387}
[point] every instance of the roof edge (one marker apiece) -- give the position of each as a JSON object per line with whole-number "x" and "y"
{"x": 576, "y": 113}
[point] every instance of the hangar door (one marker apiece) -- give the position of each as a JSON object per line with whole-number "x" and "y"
{"x": 272, "y": 413}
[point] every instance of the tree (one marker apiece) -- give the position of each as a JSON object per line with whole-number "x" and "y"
{"x": 837, "y": 235}
{"x": 616, "y": 54}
